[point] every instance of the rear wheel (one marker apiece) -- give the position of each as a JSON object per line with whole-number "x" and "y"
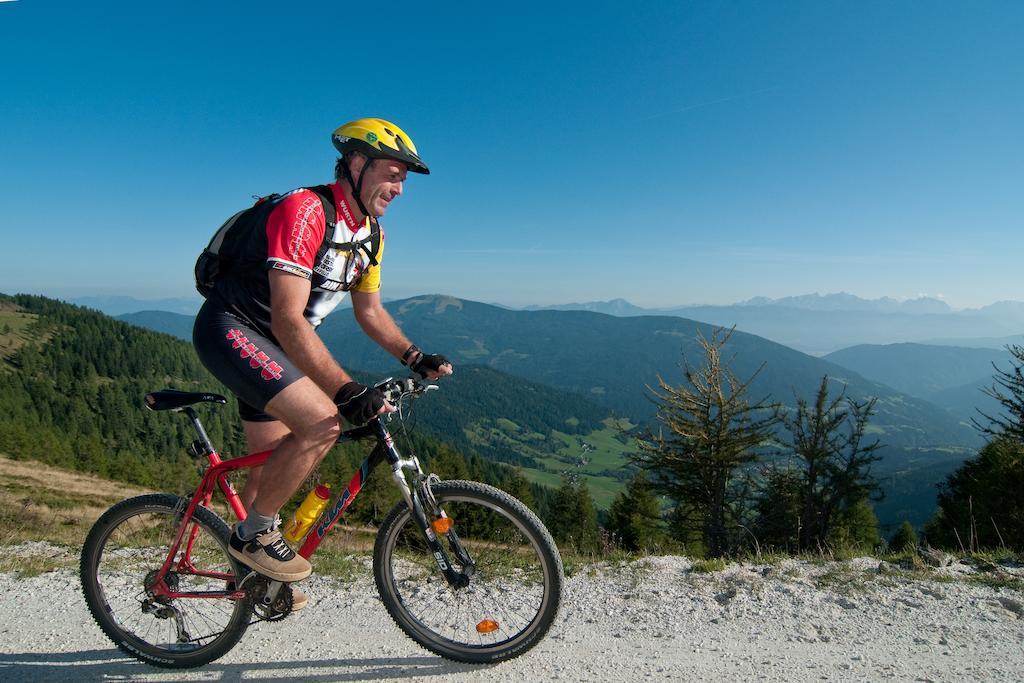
{"x": 120, "y": 560}
{"x": 514, "y": 576}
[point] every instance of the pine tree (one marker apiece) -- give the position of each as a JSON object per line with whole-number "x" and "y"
{"x": 1008, "y": 389}
{"x": 573, "y": 518}
{"x": 449, "y": 464}
{"x": 635, "y": 517}
{"x": 980, "y": 505}
{"x": 904, "y": 539}
{"x": 778, "y": 510}
{"x": 855, "y": 527}
{"x": 713, "y": 432}
{"x": 828, "y": 441}
{"x": 517, "y": 486}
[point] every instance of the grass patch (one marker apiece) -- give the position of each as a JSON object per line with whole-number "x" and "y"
{"x": 36, "y": 495}
{"x": 707, "y": 566}
{"x": 597, "y": 457}
{"x": 998, "y": 581}
{"x": 843, "y": 578}
{"x": 574, "y": 561}
{"x": 340, "y": 564}
{"x": 476, "y": 351}
{"x": 39, "y": 502}
{"x": 15, "y": 331}
{"x": 507, "y": 425}
{"x": 994, "y": 556}
{"x": 34, "y": 565}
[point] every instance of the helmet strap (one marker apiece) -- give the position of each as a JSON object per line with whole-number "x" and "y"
{"x": 357, "y": 188}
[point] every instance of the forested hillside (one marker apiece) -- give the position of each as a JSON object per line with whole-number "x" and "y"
{"x": 614, "y": 360}
{"x": 71, "y": 388}
{"x": 72, "y": 382}
{"x": 951, "y": 377}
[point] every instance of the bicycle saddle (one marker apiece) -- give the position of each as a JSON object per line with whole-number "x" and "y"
{"x": 172, "y": 399}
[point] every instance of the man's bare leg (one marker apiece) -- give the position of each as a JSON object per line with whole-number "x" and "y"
{"x": 259, "y": 437}
{"x": 312, "y": 419}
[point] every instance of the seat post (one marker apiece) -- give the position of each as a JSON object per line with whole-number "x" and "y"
{"x": 199, "y": 428}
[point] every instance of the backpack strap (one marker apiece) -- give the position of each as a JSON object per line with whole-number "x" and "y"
{"x": 369, "y": 245}
{"x": 327, "y": 200}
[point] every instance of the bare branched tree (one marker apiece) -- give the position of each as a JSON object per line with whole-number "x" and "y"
{"x": 828, "y": 439}
{"x": 710, "y": 432}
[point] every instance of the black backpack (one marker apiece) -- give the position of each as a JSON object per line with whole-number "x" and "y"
{"x": 219, "y": 256}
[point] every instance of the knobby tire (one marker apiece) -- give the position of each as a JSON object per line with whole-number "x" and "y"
{"x": 516, "y": 585}
{"x": 132, "y": 539}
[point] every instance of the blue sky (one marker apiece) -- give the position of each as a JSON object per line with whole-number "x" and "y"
{"x": 669, "y": 153}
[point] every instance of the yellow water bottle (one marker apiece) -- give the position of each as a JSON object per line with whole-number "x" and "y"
{"x": 307, "y": 513}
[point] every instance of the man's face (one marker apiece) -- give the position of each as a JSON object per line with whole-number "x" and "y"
{"x": 381, "y": 184}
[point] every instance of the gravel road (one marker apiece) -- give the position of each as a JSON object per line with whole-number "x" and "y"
{"x": 652, "y": 619}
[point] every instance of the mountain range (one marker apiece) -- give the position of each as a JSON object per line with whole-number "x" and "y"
{"x": 948, "y": 376}
{"x": 815, "y": 323}
{"x": 120, "y": 305}
{"x": 613, "y": 360}
{"x": 819, "y": 324}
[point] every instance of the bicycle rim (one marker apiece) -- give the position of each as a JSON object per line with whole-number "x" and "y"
{"x": 514, "y": 590}
{"x": 127, "y": 547}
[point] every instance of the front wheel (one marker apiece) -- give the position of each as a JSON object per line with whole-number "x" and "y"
{"x": 123, "y": 555}
{"x": 513, "y": 569}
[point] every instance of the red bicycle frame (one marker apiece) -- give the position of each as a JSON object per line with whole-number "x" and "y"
{"x": 216, "y": 477}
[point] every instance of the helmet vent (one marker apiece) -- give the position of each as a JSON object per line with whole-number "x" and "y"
{"x": 388, "y": 131}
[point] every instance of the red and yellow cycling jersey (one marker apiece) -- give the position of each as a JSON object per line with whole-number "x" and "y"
{"x": 298, "y": 240}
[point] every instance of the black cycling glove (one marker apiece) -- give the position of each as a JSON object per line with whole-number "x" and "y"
{"x": 358, "y": 403}
{"x": 427, "y": 363}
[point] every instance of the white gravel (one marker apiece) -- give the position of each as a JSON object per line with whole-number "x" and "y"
{"x": 653, "y": 619}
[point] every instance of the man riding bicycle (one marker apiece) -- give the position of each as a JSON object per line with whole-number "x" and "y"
{"x": 256, "y": 331}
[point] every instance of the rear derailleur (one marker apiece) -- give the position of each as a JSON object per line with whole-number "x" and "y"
{"x": 161, "y": 606}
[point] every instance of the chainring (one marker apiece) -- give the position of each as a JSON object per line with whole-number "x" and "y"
{"x": 276, "y": 611}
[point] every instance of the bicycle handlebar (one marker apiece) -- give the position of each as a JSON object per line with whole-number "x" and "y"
{"x": 395, "y": 390}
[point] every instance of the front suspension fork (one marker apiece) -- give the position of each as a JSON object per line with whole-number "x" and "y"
{"x": 424, "y": 508}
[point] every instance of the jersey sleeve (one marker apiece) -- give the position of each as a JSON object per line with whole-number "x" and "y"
{"x": 370, "y": 282}
{"x": 295, "y": 229}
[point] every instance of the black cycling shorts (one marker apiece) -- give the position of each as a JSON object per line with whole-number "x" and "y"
{"x": 249, "y": 363}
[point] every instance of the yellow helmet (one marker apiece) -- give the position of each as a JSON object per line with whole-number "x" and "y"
{"x": 378, "y": 139}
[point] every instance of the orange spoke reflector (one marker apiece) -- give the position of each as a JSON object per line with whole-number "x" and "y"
{"x": 487, "y": 626}
{"x": 442, "y": 525}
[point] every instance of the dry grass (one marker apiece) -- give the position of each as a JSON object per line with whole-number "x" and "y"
{"x": 42, "y": 503}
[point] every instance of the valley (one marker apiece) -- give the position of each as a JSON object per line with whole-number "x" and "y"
{"x": 555, "y": 392}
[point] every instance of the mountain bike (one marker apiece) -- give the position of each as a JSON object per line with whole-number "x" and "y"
{"x": 464, "y": 569}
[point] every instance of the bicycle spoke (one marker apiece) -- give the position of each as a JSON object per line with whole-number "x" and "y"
{"x": 512, "y": 585}
{"x": 124, "y": 555}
